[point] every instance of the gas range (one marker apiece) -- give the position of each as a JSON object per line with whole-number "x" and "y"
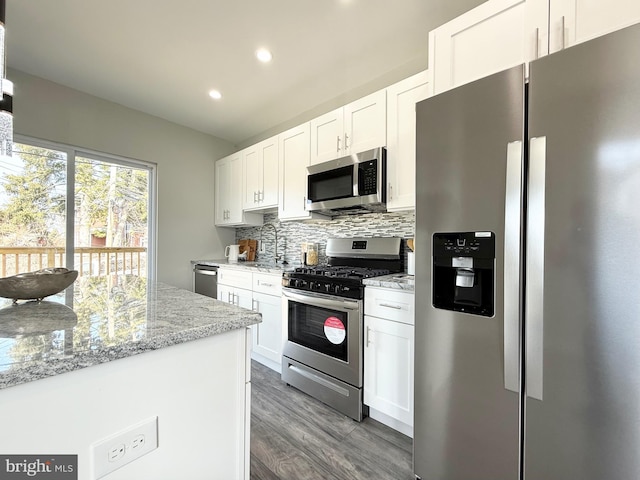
{"x": 350, "y": 261}
{"x": 324, "y": 307}
{"x": 342, "y": 281}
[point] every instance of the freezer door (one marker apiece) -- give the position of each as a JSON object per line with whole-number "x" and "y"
{"x": 469, "y": 161}
{"x": 583, "y": 295}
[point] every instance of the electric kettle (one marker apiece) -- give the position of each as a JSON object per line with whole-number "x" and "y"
{"x": 231, "y": 253}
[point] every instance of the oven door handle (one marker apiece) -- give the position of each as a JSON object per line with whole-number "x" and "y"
{"x": 311, "y": 298}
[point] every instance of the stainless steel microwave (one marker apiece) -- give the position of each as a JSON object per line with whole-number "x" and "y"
{"x": 352, "y": 184}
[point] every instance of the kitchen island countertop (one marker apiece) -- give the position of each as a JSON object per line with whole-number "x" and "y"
{"x": 111, "y": 317}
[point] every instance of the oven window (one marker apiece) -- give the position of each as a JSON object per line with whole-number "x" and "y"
{"x": 336, "y": 183}
{"x": 320, "y": 329}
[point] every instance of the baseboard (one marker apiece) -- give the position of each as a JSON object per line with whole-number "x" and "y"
{"x": 391, "y": 422}
{"x": 276, "y": 366}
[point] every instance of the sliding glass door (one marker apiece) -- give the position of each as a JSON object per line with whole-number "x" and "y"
{"x": 99, "y": 224}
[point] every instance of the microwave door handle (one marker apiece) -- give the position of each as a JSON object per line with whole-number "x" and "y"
{"x": 355, "y": 180}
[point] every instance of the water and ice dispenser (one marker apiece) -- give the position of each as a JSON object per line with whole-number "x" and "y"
{"x": 464, "y": 272}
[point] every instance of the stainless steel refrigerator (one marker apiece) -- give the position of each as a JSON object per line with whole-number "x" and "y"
{"x": 527, "y": 333}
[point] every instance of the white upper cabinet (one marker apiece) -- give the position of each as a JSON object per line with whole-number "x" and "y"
{"x": 294, "y": 153}
{"x": 401, "y": 140}
{"x": 358, "y": 126}
{"x": 492, "y": 37}
{"x": 229, "y": 193}
{"x": 365, "y": 123}
{"x": 261, "y": 175}
{"x": 576, "y": 21}
{"x": 500, "y": 34}
{"x": 327, "y": 136}
{"x": 228, "y": 189}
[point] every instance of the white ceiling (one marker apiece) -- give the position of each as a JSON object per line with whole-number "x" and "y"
{"x": 162, "y": 57}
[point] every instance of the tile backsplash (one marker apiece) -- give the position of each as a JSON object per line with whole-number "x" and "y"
{"x": 292, "y": 234}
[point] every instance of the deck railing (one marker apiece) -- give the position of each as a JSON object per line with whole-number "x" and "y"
{"x": 87, "y": 260}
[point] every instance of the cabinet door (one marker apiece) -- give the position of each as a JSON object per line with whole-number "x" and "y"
{"x": 267, "y": 339}
{"x": 294, "y": 159}
{"x": 492, "y": 37}
{"x": 327, "y": 141}
{"x": 253, "y": 177}
{"x": 225, "y": 293}
{"x": 365, "y": 123}
{"x": 401, "y": 140}
{"x": 223, "y": 172}
{"x": 388, "y": 359}
{"x": 243, "y": 298}
{"x": 236, "y": 190}
{"x": 268, "y": 150}
{"x": 576, "y": 21}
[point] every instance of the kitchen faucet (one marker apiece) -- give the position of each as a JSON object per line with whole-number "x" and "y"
{"x": 275, "y": 253}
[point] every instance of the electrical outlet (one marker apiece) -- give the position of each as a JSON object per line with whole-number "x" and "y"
{"x": 116, "y": 453}
{"x": 124, "y": 447}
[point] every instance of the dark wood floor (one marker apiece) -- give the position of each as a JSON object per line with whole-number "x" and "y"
{"x": 295, "y": 437}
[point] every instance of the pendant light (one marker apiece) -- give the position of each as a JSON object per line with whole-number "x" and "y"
{"x": 6, "y": 87}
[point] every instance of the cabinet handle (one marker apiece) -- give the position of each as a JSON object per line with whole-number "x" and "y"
{"x": 261, "y": 196}
{"x": 338, "y": 143}
{"x": 346, "y": 141}
{"x": 229, "y": 298}
{"x": 388, "y": 305}
{"x": 562, "y": 26}
{"x": 254, "y": 302}
{"x": 255, "y": 197}
{"x": 390, "y": 191}
{"x": 265, "y": 284}
{"x": 367, "y": 338}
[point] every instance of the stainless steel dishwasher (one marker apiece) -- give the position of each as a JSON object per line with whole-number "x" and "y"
{"x": 205, "y": 280}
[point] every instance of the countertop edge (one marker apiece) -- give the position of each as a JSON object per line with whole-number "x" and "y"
{"x": 394, "y": 281}
{"x": 246, "y": 266}
{"x": 228, "y": 318}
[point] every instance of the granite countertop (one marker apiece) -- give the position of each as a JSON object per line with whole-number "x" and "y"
{"x": 264, "y": 267}
{"x": 108, "y": 318}
{"x": 395, "y": 281}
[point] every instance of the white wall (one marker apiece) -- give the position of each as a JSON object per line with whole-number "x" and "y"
{"x": 185, "y": 159}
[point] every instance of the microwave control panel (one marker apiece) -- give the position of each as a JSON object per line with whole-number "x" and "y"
{"x": 368, "y": 177}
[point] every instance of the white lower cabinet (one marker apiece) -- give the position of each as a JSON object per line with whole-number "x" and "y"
{"x": 389, "y": 357}
{"x": 260, "y": 292}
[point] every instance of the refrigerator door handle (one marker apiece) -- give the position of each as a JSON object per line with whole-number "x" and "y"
{"x": 512, "y": 228}
{"x": 534, "y": 310}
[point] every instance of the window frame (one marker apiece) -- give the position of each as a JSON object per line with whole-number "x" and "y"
{"x": 72, "y": 152}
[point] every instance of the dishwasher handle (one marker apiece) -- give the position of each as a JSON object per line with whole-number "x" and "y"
{"x": 199, "y": 271}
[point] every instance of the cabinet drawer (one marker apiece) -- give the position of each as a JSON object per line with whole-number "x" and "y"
{"x": 235, "y": 278}
{"x": 390, "y": 304}
{"x": 267, "y": 283}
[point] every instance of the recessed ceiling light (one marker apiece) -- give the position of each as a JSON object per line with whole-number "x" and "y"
{"x": 264, "y": 55}
{"x": 215, "y": 94}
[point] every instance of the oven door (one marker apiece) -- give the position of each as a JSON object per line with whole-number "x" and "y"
{"x": 325, "y": 332}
